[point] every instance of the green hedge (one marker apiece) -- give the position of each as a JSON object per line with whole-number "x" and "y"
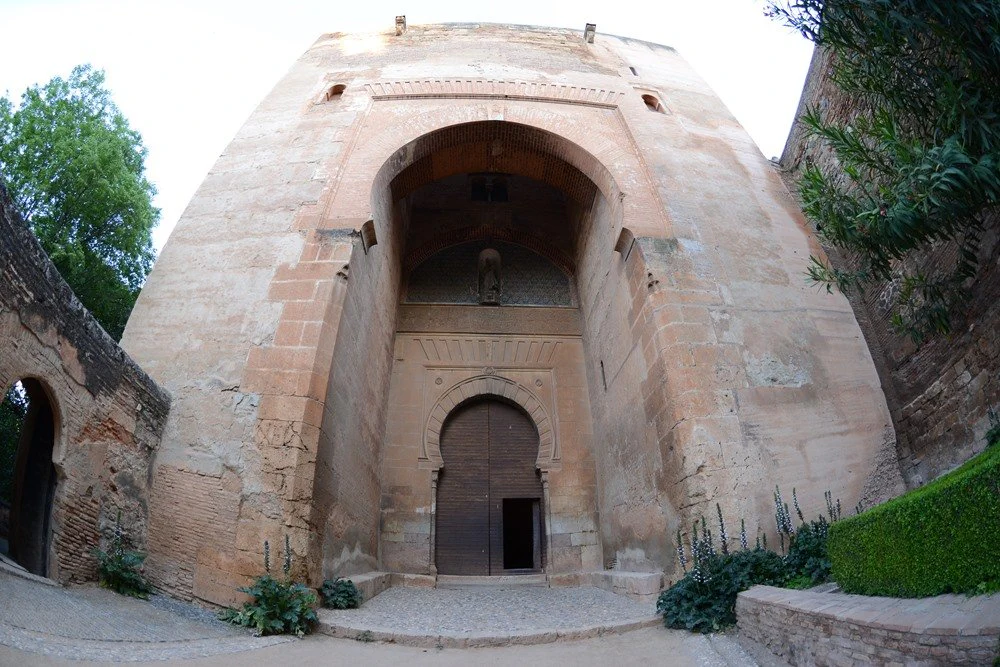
{"x": 941, "y": 538}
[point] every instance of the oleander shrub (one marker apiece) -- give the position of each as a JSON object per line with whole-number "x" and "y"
{"x": 340, "y": 593}
{"x": 277, "y": 606}
{"x": 941, "y": 538}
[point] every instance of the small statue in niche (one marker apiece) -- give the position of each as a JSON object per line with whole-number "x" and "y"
{"x": 490, "y": 287}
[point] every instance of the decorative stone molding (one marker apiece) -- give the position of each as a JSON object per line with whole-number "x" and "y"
{"x": 489, "y": 385}
{"x": 491, "y": 88}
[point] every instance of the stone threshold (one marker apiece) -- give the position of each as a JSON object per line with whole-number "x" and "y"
{"x": 639, "y": 586}
{"x": 10, "y": 567}
{"x": 479, "y": 640}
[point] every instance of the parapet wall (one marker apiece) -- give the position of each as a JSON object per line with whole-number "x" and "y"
{"x": 940, "y": 393}
{"x": 107, "y": 414}
{"x": 808, "y": 628}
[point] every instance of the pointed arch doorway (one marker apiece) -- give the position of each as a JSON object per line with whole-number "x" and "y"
{"x": 489, "y": 494}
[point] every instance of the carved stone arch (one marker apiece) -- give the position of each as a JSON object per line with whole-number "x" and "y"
{"x": 501, "y": 387}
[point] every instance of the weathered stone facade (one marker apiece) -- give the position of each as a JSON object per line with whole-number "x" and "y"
{"x": 940, "y": 392}
{"x": 315, "y": 366}
{"x": 107, "y": 415}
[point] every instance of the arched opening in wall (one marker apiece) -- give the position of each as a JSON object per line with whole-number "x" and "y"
{"x": 489, "y": 505}
{"x": 494, "y": 239}
{"x": 653, "y": 103}
{"x": 334, "y": 92}
{"x": 27, "y": 474}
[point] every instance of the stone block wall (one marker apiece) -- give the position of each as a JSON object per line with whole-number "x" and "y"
{"x": 703, "y": 352}
{"x": 939, "y": 393}
{"x": 807, "y": 628}
{"x": 108, "y": 415}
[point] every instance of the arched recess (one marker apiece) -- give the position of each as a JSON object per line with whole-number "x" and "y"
{"x": 485, "y": 386}
{"x": 34, "y": 479}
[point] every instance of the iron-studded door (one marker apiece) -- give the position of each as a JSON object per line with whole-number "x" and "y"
{"x": 489, "y": 493}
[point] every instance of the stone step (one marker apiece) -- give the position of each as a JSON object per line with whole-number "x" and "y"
{"x": 460, "y": 581}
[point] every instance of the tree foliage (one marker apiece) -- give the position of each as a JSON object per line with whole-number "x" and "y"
{"x": 13, "y": 410}
{"x": 919, "y": 165}
{"x": 75, "y": 170}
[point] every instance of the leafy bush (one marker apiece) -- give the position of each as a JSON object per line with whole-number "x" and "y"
{"x": 943, "y": 537}
{"x": 916, "y": 165}
{"x": 340, "y": 594}
{"x": 807, "y": 556}
{"x": 120, "y": 568}
{"x": 705, "y": 599}
{"x": 277, "y": 606}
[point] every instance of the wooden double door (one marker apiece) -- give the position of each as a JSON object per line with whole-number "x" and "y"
{"x": 489, "y": 499}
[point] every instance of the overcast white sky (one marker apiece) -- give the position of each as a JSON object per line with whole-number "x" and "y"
{"x": 187, "y": 73}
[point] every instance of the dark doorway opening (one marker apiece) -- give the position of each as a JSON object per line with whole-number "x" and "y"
{"x": 27, "y": 475}
{"x": 520, "y": 533}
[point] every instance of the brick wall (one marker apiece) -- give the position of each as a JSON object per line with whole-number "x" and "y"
{"x": 939, "y": 393}
{"x": 108, "y": 414}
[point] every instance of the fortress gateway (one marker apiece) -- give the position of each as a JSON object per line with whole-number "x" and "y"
{"x": 483, "y": 300}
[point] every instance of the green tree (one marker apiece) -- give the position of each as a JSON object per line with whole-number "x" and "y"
{"x": 918, "y": 166}
{"x": 75, "y": 170}
{"x": 13, "y": 410}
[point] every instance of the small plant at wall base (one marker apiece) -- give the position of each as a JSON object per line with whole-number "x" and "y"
{"x": 340, "y": 593}
{"x": 705, "y": 599}
{"x": 277, "y": 606}
{"x": 120, "y": 568}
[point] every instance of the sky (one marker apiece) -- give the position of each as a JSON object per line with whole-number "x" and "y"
{"x": 188, "y": 73}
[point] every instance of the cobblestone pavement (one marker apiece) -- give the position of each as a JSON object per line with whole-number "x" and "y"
{"x": 44, "y": 625}
{"x": 489, "y": 609}
{"x": 89, "y": 623}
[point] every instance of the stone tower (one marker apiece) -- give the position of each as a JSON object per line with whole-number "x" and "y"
{"x": 479, "y": 299}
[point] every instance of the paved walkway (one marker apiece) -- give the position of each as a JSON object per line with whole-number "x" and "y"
{"x": 488, "y": 615}
{"x": 90, "y": 623}
{"x": 46, "y": 625}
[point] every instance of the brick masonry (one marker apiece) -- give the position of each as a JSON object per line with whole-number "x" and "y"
{"x": 940, "y": 393}
{"x": 302, "y": 395}
{"x": 807, "y": 628}
{"x": 108, "y": 413}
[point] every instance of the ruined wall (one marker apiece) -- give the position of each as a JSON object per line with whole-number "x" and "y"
{"x": 939, "y": 393}
{"x": 108, "y": 414}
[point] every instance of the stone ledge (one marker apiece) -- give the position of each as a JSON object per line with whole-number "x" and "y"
{"x": 371, "y": 583}
{"x": 413, "y": 580}
{"x": 639, "y": 586}
{"x": 807, "y": 627}
{"x": 475, "y": 639}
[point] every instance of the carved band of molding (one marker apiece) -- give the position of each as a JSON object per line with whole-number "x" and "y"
{"x": 489, "y": 89}
{"x": 487, "y": 350}
{"x": 490, "y": 385}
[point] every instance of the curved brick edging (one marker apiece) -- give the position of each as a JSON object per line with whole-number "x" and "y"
{"x": 480, "y": 640}
{"x": 805, "y": 627}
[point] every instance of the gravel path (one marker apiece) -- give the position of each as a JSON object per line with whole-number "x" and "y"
{"x": 488, "y": 609}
